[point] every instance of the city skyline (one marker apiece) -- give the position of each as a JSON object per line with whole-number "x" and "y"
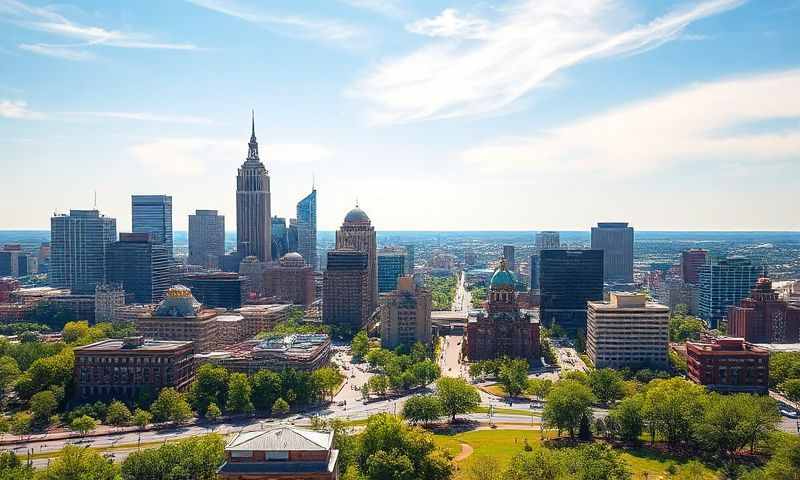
{"x": 670, "y": 116}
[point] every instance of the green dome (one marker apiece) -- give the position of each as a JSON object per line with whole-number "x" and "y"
{"x": 502, "y": 278}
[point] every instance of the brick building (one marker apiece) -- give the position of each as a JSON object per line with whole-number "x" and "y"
{"x": 290, "y": 280}
{"x": 346, "y": 292}
{"x": 300, "y": 352}
{"x": 764, "y": 318}
{"x": 728, "y": 365}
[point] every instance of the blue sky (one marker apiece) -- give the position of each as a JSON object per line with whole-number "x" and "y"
{"x": 525, "y": 114}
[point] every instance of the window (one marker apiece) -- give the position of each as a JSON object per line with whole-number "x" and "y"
{"x": 241, "y": 454}
{"x": 276, "y": 456}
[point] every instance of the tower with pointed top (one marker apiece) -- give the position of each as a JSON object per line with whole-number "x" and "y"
{"x": 253, "y": 205}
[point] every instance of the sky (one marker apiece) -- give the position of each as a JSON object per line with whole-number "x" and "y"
{"x": 432, "y": 115}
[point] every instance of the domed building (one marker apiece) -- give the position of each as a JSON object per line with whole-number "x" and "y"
{"x": 290, "y": 280}
{"x": 502, "y": 329}
{"x": 357, "y": 233}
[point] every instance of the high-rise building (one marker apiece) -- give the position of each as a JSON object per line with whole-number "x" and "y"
{"x": 357, "y": 233}
{"x": 217, "y": 289}
{"x": 153, "y": 214}
{"x": 17, "y": 263}
{"x": 140, "y": 265}
{"x": 391, "y": 266}
{"x": 724, "y": 284}
{"x": 508, "y": 254}
{"x": 253, "y": 272}
{"x": 280, "y": 237}
{"x": 108, "y": 298}
{"x": 78, "y": 243}
{"x": 536, "y": 271}
{"x": 406, "y": 314}
{"x": 292, "y": 239}
{"x": 206, "y": 238}
{"x": 307, "y": 229}
{"x": 764, "y": 318}
{"x": 346, "y": 293}
{"x": 409, "y": 258}
{"x": 253, "y": 206}
{"x": 547, "y": 240}
{"x": 728, "y": 365}
{"x": 627, "y": 331}
{"x": 615, "y": 239}
{"x": 569, "y": 279}
{"x": 691, "y": 261}
{"x": 290, "y": 279}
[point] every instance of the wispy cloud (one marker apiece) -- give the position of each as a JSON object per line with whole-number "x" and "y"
{"x": 477, "y": 66}
{"x": 17, "y": 109}
{"x": 144, "y": 117}
{"x": 388, "y": 8}
{"x": 712, "y": 122}
{"x": 324, "y": 29}
{"x": 49, "y": 21}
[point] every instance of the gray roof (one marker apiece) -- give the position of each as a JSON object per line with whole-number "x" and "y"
{"x": 282, "y": 467}
{"x": 282, "y": 439}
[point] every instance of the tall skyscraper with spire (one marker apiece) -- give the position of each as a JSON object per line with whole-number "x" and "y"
{"x": 307, "y": 229}
{"x": 253, "y": 212}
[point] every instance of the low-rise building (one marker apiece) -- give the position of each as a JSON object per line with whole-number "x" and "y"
{"x": 258, "y": 318}
{"x": 285, "y": 453}
{"x": 300, "y": 352}
{"x": 764, "y": 318}
{"x": 728, "y": 365}
{"x": 130, "y": 312}
{"x": 122, "y": 369}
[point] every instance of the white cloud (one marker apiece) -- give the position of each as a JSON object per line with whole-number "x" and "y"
{"x": 65, "y": 53}
{"x": 389, "y": 8}
{"x": 17, "y": 110}
{"x": 514, "y": 55}
{"x": 324, "y": 29}
{"x": 703, "y": 123}
{"x": 194, "y": 156}
{"x": 145, "y": 117}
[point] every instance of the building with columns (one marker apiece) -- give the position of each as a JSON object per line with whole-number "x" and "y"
{"x": 253, "y": 206}
{"x": 357, "y": 233}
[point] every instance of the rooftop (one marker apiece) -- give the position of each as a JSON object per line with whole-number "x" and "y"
{"x": 281, "y": 439}
{"x": 144, "y": 345}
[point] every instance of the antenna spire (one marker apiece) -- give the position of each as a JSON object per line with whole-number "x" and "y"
{"x": 253, "y": 120}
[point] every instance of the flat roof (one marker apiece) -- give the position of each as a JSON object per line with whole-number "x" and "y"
{"x": 149, "y": 345}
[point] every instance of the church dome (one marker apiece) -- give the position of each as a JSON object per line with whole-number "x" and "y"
{"x": 292, "y": 259}
{"x": 356, "y": 215}
{"x": 502, "y": 278}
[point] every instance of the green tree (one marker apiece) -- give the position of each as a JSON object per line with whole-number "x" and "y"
{"x": 43, "y": 405}
{"x": 456, "y": 396}
{"x": 785, "y": 462}
{"x": 360, "y": 345}
{"x": 514, "y": 376}
{"x": 170, "y": 406}
{"x": 422, "y": 408}
{"x": 280, "y": 407}
{"x": 210, "y": 386}
{"x": 83, "y": 424}
{"x": 118, "y": 414}
{"x": 239, "y": 394}
{"x": 673, "y": 408}
{"x": 486, "y": 467}
{"x": 266, "y": 389}
{"x": 606, "y": 384}
{"x": 11, "y": 468}
{"x": 9, "y": 371}
{"x": 476, "y": 370}
{"x": 142, "y": 418}
{"x": 195, "y": 458}
{"x": 384, "y": 465}
{"x": 77, "y": 463}
{"x": 783, "y": 366}
{"x": 73, "y": 331}
{"x": 627, "y": 417}
{"x": 327, "y": 380}
{"x": 791, "y": 388}
{"x": 596, "y": 461}
{"x": 213, "y": 413}
{"x": 539, "y": 464}
{"x": 21, "y": 424}
{"x": 379, "y": 384}
{"x": 55, "y": 370}
{"x": 425, "y": 372}
{"x": 567, "y": 403}
{"x": 693, "y": 470}
{"x": 539, "y": 387}
{"x": 684, "y": 327}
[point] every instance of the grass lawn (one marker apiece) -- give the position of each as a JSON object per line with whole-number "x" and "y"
{"x": 508, "y": 411}
{"x": 495, "y": 390}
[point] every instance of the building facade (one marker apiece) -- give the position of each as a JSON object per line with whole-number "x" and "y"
{"x": 346, "y": 293}
{"x": 503, "y": 330}
{"x": 627, "y": 331}
{"x": 535, "y": 267}
{"x": 217, "y": 289}
{"x": 724, "y": 284}
{"x": 307, "y": 229}
{"x": 691, "y": 261}
{"x": 107, "y": 301}
{"x": 510, "y": 256}
{"x": 290, "y": 279}
{"x": 140, "y": 265}
{"x": 153, "y": 214}
{"x": 547, "y": 240}
{"x": 357, "y": 233}
{"x": 307, "y": 352}
{"x": 206, "y": 238}
{"x": 391, "y": 266}
{"x": 253, "y": 206}
{"x": 280, "y": 237}
{"x": 409, "y": 258}
{"x": 615, "y": 239}
{"x": 253, "y": 273}
{"x": 764, "y": 318}
{"x": 569, "y": 279}
{"x": 78, "y": 244}
{"x": 728, "y": 365}
{"x": 406, "y": 315}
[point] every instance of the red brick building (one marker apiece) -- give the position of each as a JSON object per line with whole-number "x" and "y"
{"x": 765, "y": 318}
{"x": 728, "y": 365}
{"x": 7, "y": 285}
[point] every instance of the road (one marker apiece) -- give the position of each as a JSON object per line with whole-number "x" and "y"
{"x": 462, "y": 301}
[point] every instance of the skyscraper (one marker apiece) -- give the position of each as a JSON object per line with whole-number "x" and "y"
{"x": 78, "y": 244}
{"x": 307, "y": 229}
{"x": 406, "y": 314}
{"x": 291, "y": 235}
{"x": 615, "y": 239}
{"x": 547, "y": 240}
{"x": 153, "y": 214}
{"x": 691, "y": 261}
{"x": 280, "y": 237}
{"x": 536, "y": 271}
{"x": 206, "y": 238}
{"x": 253, "y": 213}
{"x": 357, "y": 233}
{"x": 409, "y": 259}
{"x": 346, "y": 294}
{"x": 508, "y": 254}
{"x": 141, "y": 265}
{"x": 569, "y": 279}
{"x": 391, "y": 266}
{"x": 724, "y": 284}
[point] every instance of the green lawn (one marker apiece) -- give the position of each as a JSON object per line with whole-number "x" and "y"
{"x": 509, "y": 411}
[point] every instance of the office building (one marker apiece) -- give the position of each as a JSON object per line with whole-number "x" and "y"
{"x": 128, "y": 313}
{"x": 285, "y": 453}
{"x": 547, "y": 241}
{"x": 508, "y": 254}
{"x": 206, "y": 238}
{"x": 306, "y": 352}
{"x": 291, "y": 279}
{"x": 259, "y": 318}
{"x": 615, "y": 239}
{"x": 764, "y": 318}
{"x": 78, "y": 306}
{"x": 217, "y": 289}
{"x": 292, "y": 235}
{"x": 728, "y": 365}
{"x": 307, "y": 229}
{"x": 535, "y": 268}
{"x": 252, "y": 271}
{"x": 502, "y": 330}
{"x": 357, "y": 233}
{"x": 14, "y": 262}
{"x": 409, "y": 258}
{"x": 280, "y": 237}
{"x": 691, "y": 261}
{"x": 674, "y": 291}
{"x": 108, "y": 298}
{"x": 391, "y": 266}
{"x": 78, "y": 244}
{"x": 346, "y": 292}
{"x": 405, "y": 314}
{"x": 140, "y": 265}
{"x": 627, "y": 331}
{"x": 128, "y": 368}
{"x": 253, "y": 206}
{"x": 724, "y": 284}
{"x": 153, "y": 214}
{"x": 569, "y": 279}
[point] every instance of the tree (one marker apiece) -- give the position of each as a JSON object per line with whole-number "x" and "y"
{"x": 79, "y": 463}
{"x": 83, "y": 424}
{"x": 684, "y": 327}
{"x": 627, "y": 417}
{"x": 476, "y": 370}
{"x": 539, "y": 464}
{"x": 118, "y": 414}
{"x": 11, "y": 468}
{"x": 9, "y": 371}
{"x": 673, "y": 408}
{"x": 194, "y": 458}
{"x": 43, "y": 405}
{"x": 239, "y": 394}
{"x": 785, "y": 462}
{"x": 210, "y": 386}
{"x": 21, "y": 424}
{"x": 73, "y": 331}
{"x": 170, "y": 406}
{"x": 791, "y": 388}
{"x": 539, "y": 387}
{"x": 485, "y": 467}
{"x": 596, "y": 461}
{"x": 456, "y": 396}
{"x": 514, "y": 376}
{"x": 425, "y": 372}
{"x": 783, "y": 366}
{"x": 327, "y": 380}
{"x": 422, "y": 408}
{"x": 280, "y": 407}
{"x": 142, "y": 418}
{"x": 379, "y": 384}
{"x": 360, "y": 345}
{"x": 693, "y": 470}
{"x": 567, "y": 403}
{"x": 266, "y": 389}
{"x": 606, "y": 384}
{"x": 213, "y": 413}
{"x": 384, "y": 465}
{"x": 55, "y": 370}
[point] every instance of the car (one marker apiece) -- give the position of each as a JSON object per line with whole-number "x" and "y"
{"x": 789, "y": 413}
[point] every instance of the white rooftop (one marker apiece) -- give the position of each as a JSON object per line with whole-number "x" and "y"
{"x": 281, "y": 439}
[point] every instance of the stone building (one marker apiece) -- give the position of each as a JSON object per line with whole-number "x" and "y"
{"x": 764, "y": 318}
{"x": 253, "y": 206}
{"x": 291, "y": 279}
{"x": 357, "y": 233}
{"x": 406, "y": 314}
